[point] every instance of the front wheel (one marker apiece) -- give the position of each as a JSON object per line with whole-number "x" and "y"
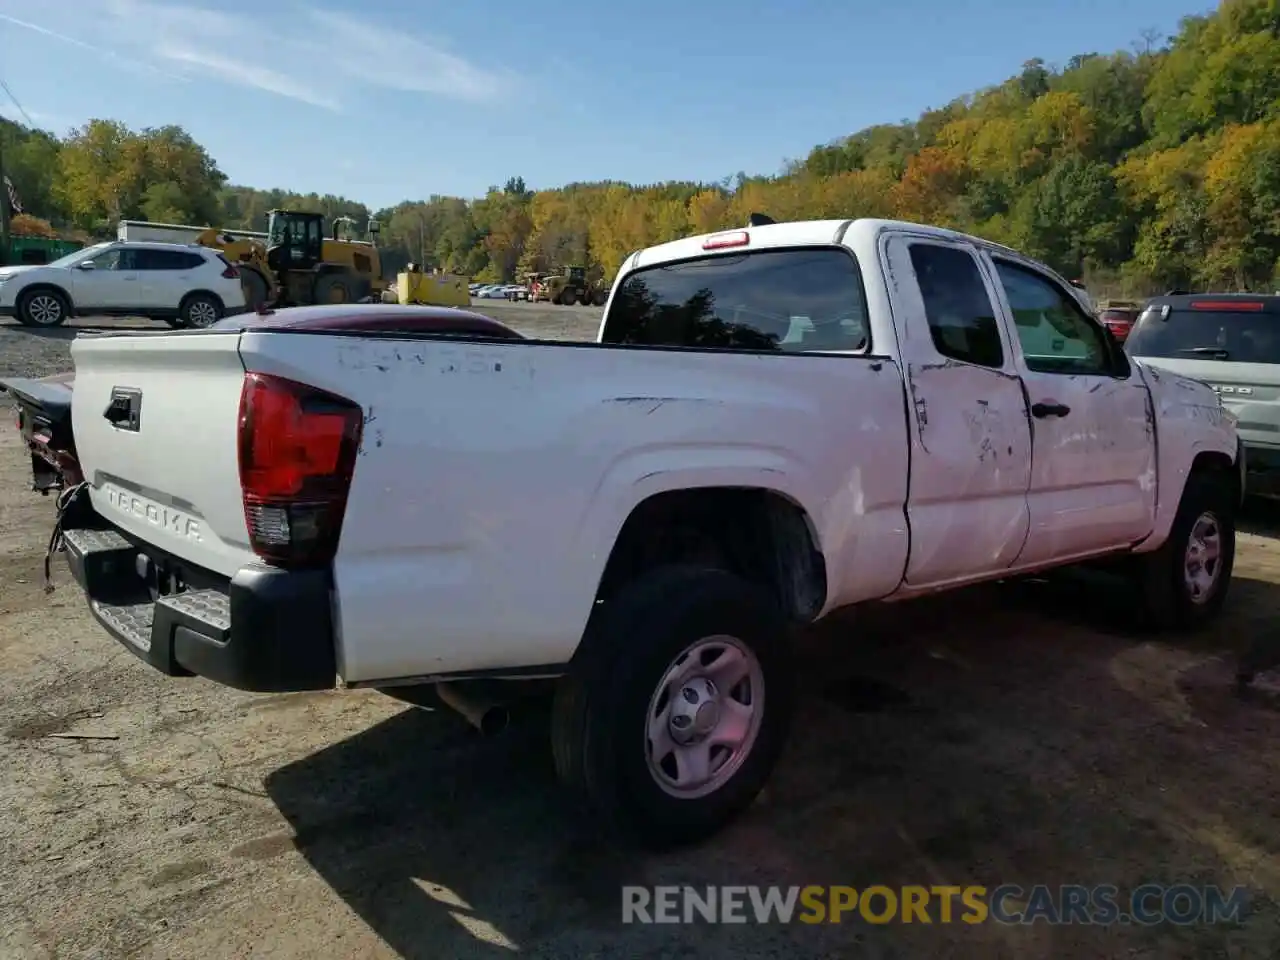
{"x": 677, "y": 707}
{"x": 1184, "y": 584}
{"x": 43, "y": 308}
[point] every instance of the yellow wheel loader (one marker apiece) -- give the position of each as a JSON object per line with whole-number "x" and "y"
{"x": 299, "y": 265}
{"x": 571, "y": 286}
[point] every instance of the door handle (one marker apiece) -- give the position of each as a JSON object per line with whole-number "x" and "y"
{"x": 1049, "y": 408}
{"x": 117, "y": 410}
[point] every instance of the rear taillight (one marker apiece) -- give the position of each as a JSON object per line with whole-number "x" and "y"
{"x": 230, "y": 273}
{"x": 1118, "y": 323}
{"x": 297, "y": 455}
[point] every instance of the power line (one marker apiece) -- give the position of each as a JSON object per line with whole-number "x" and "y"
{"x": 22, "y": 110}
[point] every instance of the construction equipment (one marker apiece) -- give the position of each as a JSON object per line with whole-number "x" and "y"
{"x": 571, "y": 286}
{"x": 436, "y": 288}
{"x": 298, "y": 264}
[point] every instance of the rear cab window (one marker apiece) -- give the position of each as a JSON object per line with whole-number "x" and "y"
{"x": 1245, "y": 330}
{"x": 787, "y": 300}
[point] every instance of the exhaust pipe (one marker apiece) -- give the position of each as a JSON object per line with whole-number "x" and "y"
{"x": 487, "y": 716}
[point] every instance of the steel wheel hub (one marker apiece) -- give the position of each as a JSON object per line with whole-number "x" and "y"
{"x": 704, "y": 717}
{"x": 1202, "y": 561}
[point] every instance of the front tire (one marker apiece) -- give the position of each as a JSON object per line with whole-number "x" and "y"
{"x": 1184, "y": 584}
{"x": 43, "y": 308}
{"x": 677, "y": 707}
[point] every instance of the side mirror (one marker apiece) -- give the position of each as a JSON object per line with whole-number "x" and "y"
{"x": 86, "y": 265}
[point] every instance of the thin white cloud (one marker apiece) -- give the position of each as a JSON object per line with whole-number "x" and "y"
{"x": 398, "y": 61}
{"x": 315, "y": 56}
{"x": 129, "y": 63}
{"x": 246, "y": 74}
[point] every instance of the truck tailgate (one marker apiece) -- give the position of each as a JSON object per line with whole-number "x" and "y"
{"x": 155, "y": 420}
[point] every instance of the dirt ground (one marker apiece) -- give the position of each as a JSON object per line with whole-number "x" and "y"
{"x": 1020, "y": 733}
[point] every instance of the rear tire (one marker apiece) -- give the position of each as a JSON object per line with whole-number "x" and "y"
{"x": 199, "y": 311}
{"x": 1183, "y": 585}
{"x": 334, "y": 288}
{"x": 665, "y": 757}
{"x": 43, "y": 307}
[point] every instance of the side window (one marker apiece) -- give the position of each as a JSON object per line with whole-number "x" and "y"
{"x": 1054, "y": 333}
{"x": 794, "y": 300}
{"x": 170, "y": 260}
{"x": 962, "y": 320}
{"x": 147, "y": 259}
{"x": 110, "y": 260}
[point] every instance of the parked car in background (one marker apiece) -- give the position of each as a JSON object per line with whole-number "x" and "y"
{"x": 186, "y": 286}
{"x": 1232, "y": 343}
{"x": 1119, "y": 316}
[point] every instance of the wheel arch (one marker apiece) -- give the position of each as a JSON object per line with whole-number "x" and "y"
{"x": 52, "y": 287}
{"x": 201, "y": 291}
{"x": 758, "y": 532}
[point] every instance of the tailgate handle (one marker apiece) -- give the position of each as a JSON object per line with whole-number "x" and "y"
{"x": 125, "y": 409}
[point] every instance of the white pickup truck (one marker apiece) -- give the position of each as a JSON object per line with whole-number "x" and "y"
{"x": 776, "y": 422}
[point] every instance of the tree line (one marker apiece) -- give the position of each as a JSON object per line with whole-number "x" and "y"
{"x": 1138, "y": 170}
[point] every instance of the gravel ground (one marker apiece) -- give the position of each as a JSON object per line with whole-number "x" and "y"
{"x": 1016, "y": 733}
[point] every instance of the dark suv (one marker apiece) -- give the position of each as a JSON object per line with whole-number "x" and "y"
{"x": 1231, "y": 341}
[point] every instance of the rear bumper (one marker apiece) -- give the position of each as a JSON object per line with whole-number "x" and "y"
{"x": 263, "y": 630}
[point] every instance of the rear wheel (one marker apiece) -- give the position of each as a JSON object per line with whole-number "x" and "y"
{"x": 200, "y": 311}
{"x": 677, "y": 706}
{"x": 43, "y": 308}
{"x": 1184, "y": 584}
{"x": 335, "y": 288}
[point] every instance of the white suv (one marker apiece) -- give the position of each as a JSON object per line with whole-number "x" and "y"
{"x": 186, "y": 286}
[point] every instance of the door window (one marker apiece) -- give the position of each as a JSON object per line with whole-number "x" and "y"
{"x": 1055, "y": 334}
{"x": 109, "y": 260}
{"x": 962, "y": 321}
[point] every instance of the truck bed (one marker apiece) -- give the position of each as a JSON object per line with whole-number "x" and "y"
{"x": 493, "y": 476}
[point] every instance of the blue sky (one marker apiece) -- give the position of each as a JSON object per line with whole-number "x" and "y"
{"x": 384, "y": 100}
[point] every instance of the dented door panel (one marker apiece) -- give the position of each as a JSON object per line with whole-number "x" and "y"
{"x": 970, "y": 444}
{"x": 1093, "y": 466}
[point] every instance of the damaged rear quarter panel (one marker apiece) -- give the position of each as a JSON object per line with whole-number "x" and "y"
{"x": 493, "y": 478}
